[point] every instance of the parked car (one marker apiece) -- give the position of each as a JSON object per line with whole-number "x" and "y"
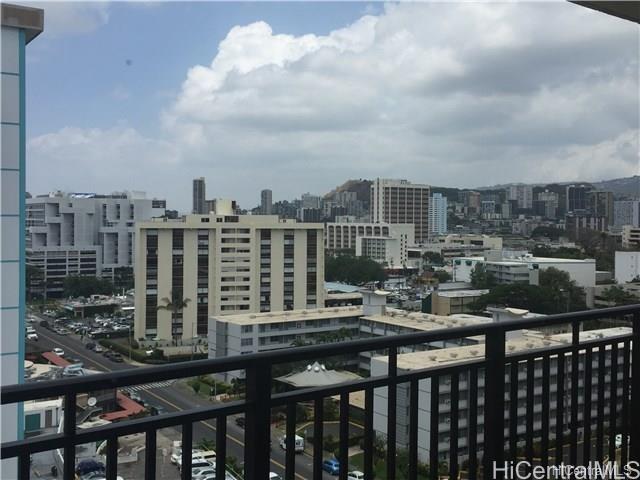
{"x": 32, "y": 336}
{"x": 98, "y": 348}
{"x": 116, "y": 357}
{"x": 274, "y": 476}
{"x": 200, "y": 472}
{"x": 298, "y": 443}
{"x": 331, "y": 466}
{"x": 240, "y": 422}
{"x": 58, "y": 351}
{"x": 355, "y": 475}
{"x": 90, "y": 346}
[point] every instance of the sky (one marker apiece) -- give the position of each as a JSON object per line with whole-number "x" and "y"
{"x": 299, "y": 97}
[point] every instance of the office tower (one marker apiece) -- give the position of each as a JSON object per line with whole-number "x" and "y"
{"x": 266, "y": 202}
{"x": 311, "y": 201}
{"x": 549, "y": 203}
{"x": 522, "y": 194}
{"x": 626, "y": 212}
{"x": 224, "y": 264}
{"x": 438, "y": 214}
{"x": 83, "y": 234}
{"x": 199, "y": 195}
{"x": 398, "y": 201}
{"x": 20, "y": 25}
{"x": 577, "y": 197}
{"x": 601, "y": 204}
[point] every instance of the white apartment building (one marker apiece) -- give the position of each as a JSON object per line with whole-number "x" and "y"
{"x": 266, "y": 202}
{"x": 630, "y": 237}
{"x": 438, "y": 214}
{"x": 224, "y": 264}
{"x": 251, "y": 333}
{"x": 626, "y": 212}
{"x": 529, "y": 340}
{"x": 20, "y": 25}
{"x": 344, "y": 235}
{"x": 388, "y": 251}
{"x": 399, "y": 201}
{"x": 627, "y": 266}
{"x": 84, "y": 234}
{"x": 522, "y": 194}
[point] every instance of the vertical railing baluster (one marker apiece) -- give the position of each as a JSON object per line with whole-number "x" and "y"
{"x": 69, "y": 431}
{"x": 559, "y": 409}
{"x": 24, "y": 466}
{"x": 369, "y": 433}
{"x": 544, "y": 438}
{"x": 413, "y": 428}
{"x": 494, "y": 406}
{"x": 343, "y": 448}
{"x": 626, "y": 359}
{"x": 634, "y": 430}
{"x": 588, "y": 361}
{"x": 257, "y": 436}
{"x": 187, "y": 450}
{"x": 434, "y": 421}
{"x": 112, "y": 458}
{"x": 290, "y": 443}
{"x": 529, "y": 434}
{"x": 221, "y": 446}
{"x": 613, "y": 401}
{"x": 453, "y": 449}
{"x": 600, "y": 415}
{"x": 472, "y": 395}
{"x": 150, "y": 448}
{"x": 318, "y": 437}
{"x": 513, "y": 410}
{"x": 575, "y": 379}
{"x": 392, "y": 412}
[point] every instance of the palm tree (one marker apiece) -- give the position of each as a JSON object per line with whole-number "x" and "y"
{"x": 175, "y": 305}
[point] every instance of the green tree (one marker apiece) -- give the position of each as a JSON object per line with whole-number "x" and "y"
{"x": 354, "y": 270}
{"x": 548, "y": 232}
{"x": 559, "y": 287}
{"x": 123, "y": 278}
{"x": 481, "y": 278}
{"x": 442, "y": 276}
{"x": 85, "y": 286}
{"x": 433, "y": 258}
{"x": 175, "y": 304}
{"x": 618, "y": 296}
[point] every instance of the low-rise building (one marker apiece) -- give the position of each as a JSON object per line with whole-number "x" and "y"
{"x": 630, "y": 237}
{"x": 627, "y": 266}
{"x": 454, "y": 301}
{"x": 343, "y": 236}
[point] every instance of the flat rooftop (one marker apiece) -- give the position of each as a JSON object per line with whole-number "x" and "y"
{"x": 426, "y": 321}
{"x": 291, "y": 315}
{"x": 461, "y": 293}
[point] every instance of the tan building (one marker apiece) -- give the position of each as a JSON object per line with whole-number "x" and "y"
{"x": 344, "y": 235}
{"x": 224, "y": 264}
{"x": 630, "y": 237}
{"x": 454, "y": 301}
{"x": 399, "y": 201}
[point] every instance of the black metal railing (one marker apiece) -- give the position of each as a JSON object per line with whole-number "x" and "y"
{"x": 569, "y": 414}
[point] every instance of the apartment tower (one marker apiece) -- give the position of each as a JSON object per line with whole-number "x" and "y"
{"x": 399, "y": 201}
{"x": 199, "y": 195}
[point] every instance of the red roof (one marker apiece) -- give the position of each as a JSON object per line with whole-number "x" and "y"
{"x": 129, "y": 407}
{"x": 55, "y": 359}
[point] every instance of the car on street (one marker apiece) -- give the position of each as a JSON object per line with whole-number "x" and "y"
{"x": 98, "y": 348}
{"x": 58, "y": 351}
{"x": 274, "y": 476}
{"x": 201, "y": 472}
{"x": 32, "y": 336}
{"x": 116, "y": 357}
{"x": 331, "y": 466}
{"x": 90, "y": 346}
{"x": 298, "y": 445}
{"x": 355, "y": 475}
{"x": 240, "y": 422}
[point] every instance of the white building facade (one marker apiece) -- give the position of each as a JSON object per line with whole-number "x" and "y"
{"x": 84, "y": 234}
{"x": 344, "y": 235}
{"x": 438, "y": 214}
{"x": 20, "y": 25}
{"x": 224, "y": 264}
{"x": 627, "y": 266}
{"x": 626, "y": 212}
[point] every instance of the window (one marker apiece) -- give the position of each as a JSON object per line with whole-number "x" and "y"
{"x": 245, "y": 342}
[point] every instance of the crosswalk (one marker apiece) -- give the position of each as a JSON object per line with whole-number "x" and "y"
{"x": 149, "y": 386}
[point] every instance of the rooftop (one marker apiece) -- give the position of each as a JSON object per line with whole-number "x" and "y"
{"x": 290, "y": 315}
{"x": 461, "y": 293}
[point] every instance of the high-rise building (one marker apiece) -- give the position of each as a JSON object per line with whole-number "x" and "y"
{"x": 577, "y": 197}
{"x": 310, "y": 201}
{"x": 601, "y": 204}
{"x": 438, "y": 214}
{"x": 83, "y": 234}
{"x": 549, "y": 203}
{"x": 626, "y": 212}
{"x": 20, "y": 25}
{"x": 224, "y": 264}
{"x": 522, "y": 194}
{"x": 399, "y": 201}
{"x": 266, "y": 202}
{"x": 199, "y": 196}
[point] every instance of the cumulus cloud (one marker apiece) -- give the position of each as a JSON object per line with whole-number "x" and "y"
{"x": 456, "y": 94}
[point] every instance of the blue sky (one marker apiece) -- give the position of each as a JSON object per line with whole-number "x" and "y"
{"x": 300, "y": 97}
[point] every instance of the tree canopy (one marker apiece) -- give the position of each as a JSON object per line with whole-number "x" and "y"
{"x": 85, "y": 286}
{"x": 354, "y": 270}
{"x": 481, "y": 278}
{"x": 433, "y": 258}
{"x": 618, "y": 296}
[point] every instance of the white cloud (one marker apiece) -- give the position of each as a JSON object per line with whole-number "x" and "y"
{"x": 72, "y": 17}
{"x": 454, "y": 94}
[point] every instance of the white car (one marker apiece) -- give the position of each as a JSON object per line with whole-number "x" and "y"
{"x": 32, "y": 336}
{"x": 202, "y": 472}
{"x": 274, "y": 476}
{"x": 619, "y": 440}
{"x": 58, "y": 351}
{"x": 355, "y": 475}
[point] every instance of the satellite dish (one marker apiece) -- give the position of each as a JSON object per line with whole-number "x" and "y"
{"x": 92, "y": 401}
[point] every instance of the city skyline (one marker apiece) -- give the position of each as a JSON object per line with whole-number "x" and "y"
{"x": 257, "y": 96}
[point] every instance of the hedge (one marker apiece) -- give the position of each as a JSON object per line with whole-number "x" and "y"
{"x": 118, "y": 347}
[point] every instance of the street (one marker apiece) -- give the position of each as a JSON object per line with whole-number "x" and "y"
{"x": 172, "y": 398}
